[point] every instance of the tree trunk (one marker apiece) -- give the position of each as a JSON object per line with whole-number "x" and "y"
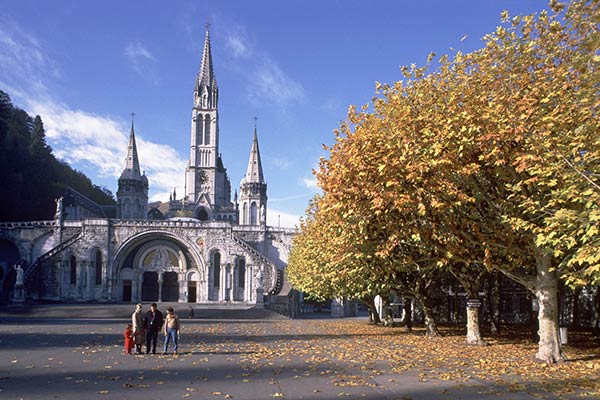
{"x": 473, "y": 332}
{"x": 407, "y": 314}
{"x": 546, "y": 286}
{"x": 596, "y": 313}
{"x": 494, "y": 302}
{"x": 576, "y": 312}
{"x": 430, "y": 323}
{"x": 373, "y": 315}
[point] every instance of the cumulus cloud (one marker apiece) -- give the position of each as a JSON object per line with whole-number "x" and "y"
{"x": 83, "y": 137}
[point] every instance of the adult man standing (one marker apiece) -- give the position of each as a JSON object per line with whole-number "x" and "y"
{"x": 153, "y": 324}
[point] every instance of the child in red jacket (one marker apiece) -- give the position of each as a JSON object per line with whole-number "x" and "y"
{"x": 128, "y": 335}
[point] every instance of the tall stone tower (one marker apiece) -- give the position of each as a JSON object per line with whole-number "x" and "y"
{"x": 207, "y": 187}
{"x": 253, "y": 190}
{"x": 132, "y": 195}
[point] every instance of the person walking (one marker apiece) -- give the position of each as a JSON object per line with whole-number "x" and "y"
{"x": 137, "y": 323}
{"x": 171, "y": 330}
{"x": 152, "y": 323}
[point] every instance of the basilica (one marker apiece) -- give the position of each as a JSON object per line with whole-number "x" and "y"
{"x": 203, "y": 247}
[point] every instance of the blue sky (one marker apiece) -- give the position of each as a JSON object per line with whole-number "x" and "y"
{"x": 84, "y": 66}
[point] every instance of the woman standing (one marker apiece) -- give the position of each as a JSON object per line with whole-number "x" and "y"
{"x": 171, "y": 330}
{"x": 137, "y": 324}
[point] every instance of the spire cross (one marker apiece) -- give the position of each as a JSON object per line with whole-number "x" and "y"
{"x": 207, "y": 25}
{"x": 132, "y": 115}
{"x": 255, "y": 119}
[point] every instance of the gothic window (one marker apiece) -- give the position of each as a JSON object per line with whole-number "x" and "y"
{"x": 253, "y": 212}
{"x": 98, "y": 267}
{"x": 217, "y": 269}
{"x": 73, "y": 265}
{"x": 207, "y": 129}
{"x": 245, "y": 214}
{"x": 241, "y": 272}
{"x": 199, "y": 122}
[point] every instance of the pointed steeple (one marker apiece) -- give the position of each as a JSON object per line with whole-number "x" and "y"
{"x": 254, "y": 173}
{"x": 131, "y": 167}
{"x": 206, "y": 76}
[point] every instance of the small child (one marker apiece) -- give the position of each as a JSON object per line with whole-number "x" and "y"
{"x": 128, "y": 335}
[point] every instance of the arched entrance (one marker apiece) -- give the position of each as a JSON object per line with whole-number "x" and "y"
{"x": 9, "y": 255}
{"x": 150, "y": 286}
{"x": 170, "y": 287}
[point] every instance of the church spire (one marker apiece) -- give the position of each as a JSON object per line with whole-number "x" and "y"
{"x": 254, "y": 173}
{"x": 131, "y": 168}
{"x": 206, "y": 82}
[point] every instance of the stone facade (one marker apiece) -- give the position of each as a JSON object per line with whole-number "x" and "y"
{"x": 198, "y": 251}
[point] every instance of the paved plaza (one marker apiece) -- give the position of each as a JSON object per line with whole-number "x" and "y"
{"x": 76, "y": 352}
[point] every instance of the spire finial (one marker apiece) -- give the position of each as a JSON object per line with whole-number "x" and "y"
{"x": 255, "y": 119}
{"x": 207, "y": 26}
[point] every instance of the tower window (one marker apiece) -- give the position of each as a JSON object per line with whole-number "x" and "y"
{"x": 253, "y": 212}
{"x": 207, "y": 129}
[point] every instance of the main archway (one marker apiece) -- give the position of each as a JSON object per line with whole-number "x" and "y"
{"x": 155, "y": 266}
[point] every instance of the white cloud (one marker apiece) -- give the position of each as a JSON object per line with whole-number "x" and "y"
{"x": 141, "y": 60}
{"x": 22, "y": 58}
{"x": 281, "y": 163}
{"x": 266, "y": 80}
{"x": 271, "y": 84}
{"x": 310, "y": 183}
{"x": 236, "y": 44}
{"x": 282, "y": 219}
{"x": 82, "y": 137}
{"x": 136, "y": 51}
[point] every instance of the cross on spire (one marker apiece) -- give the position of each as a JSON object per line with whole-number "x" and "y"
{"x": 255, "y": 119}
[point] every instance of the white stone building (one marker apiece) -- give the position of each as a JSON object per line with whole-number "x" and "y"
{"x": 205, "y": 249}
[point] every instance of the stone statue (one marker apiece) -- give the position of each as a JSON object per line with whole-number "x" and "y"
{"x": 263, "y": 214}
{"x": 259, "y": 279}
{"x": 19, "y": 278}
{"x": 59, "y": 206}
{"x": 160, "y": 259}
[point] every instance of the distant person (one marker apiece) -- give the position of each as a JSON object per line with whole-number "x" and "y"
{"x": 152, "y": 324}
{"x": 171, "y": 330}
{"x": 137, "y": 323}
{"x": 128, "y": 336}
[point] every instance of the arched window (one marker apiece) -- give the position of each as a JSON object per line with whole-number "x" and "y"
{"x": 199, "y": 124}
{"x": 253, "y": 210}
{"x": 241, "y": 272}
{"x": 73, "y": 265}
{"x": 98, "y": 267}
{"x": 207, "y": 129}
{"x": 217, "y": 269}
{"x": 126, "y": 214}
{"x": 202, "y": 214}
{"x": 245, "y": 214}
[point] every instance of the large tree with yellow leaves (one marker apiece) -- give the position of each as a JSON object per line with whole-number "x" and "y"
{"x": 490, "y": 162}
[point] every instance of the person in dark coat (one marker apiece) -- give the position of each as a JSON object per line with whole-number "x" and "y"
{"x": 152, "y": 324}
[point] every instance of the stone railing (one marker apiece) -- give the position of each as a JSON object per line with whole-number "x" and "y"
{"x": 26, "y": 224}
